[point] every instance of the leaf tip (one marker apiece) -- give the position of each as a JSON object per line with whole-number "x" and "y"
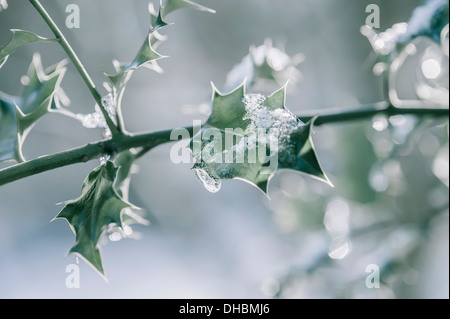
{"x": 98, "y": 268}
{"x": 215, "y": 90}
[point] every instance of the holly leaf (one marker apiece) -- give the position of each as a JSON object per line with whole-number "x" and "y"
{"x": 250, "y": 137}
{"x": 21, "y": 113}
{"x": 90, "y": 215}
{"x": 146, "y": 56}
{"x": 19, "y": 39}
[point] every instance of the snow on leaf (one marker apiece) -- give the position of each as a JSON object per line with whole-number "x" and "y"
{"x": 249, "y": 137}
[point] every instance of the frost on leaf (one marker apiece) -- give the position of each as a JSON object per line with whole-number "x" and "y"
{"x": 250, "y": 137}
{"x": 100, "y": 208}
{"x": 96, "y": 119}
{"x": 41, "y": 94}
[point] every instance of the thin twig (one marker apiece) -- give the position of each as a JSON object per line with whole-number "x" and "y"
{"x": 147, "y": 141}
{"x": 77, "y": 63}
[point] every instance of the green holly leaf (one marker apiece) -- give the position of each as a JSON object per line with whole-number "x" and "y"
{"x": 156, "y": 20}
{"x": 21, "y": 113}
{"x": 146, "y": 56}
{"x": 89, "y": 216}
{"x": 250, "y": 137}
{"x": 19, "y": 39}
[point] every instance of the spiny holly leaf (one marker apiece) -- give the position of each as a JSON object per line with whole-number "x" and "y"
{"x": 156, "y": 20}
{"x": 250, "y": 137}
{"x": 40, "y": 84}
{"x": 89, "y": 216}
{"x": 40, "y": 95}
{"x": 19, "y": 39}
{"x": 147, "y": 56}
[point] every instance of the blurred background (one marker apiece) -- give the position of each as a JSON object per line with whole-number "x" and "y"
{"x": 389, "y": 206}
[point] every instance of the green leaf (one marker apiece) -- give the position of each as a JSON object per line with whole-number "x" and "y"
{"x": 168, "y": 6}
{"x": 250, "y": 137}
{"x": 89, "y": 216}
{"x": 146, "y": 56}
{"x": 21, "y": 113}
{"x": 228, "y": 110}
{"x": 40, "y": 84}
{"x": 156, "y": 20}
{"x": 19, "y": 39}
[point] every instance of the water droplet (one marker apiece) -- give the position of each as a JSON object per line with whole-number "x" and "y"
{"x": 339, "y": 248}
{"x": 378, "y": 180}
{"x": 411, "y": 49}
{"x": 25, "y": 80}
{"x": 379, "y": 123}
{"x": 116, "y": 236}
{"x": 385, "y": 42}
{"x": 431, "y": 69}
{"x": 127, "y": 230}
{"x": 336, "y": 218}
{"x": 211, "y": 182}
{"x": 379, "y": 68}
{"x": 104, "y": 159}
{"x": 441, "y": 166}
